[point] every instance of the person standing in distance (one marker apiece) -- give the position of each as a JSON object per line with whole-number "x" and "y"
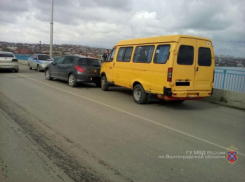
{"x": 105, "y": 55}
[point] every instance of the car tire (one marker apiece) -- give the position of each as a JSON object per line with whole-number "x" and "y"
{"x": 48, "y": 75}
{"x": 104, "y": 83}
{"x": 139, "y": 94}
{"x": 38, "y": 68}
{"x": 30, "y": 68}
{"x": 72, "y": 80}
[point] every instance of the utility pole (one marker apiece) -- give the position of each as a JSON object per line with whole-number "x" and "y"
{"x": 51, "y": 29}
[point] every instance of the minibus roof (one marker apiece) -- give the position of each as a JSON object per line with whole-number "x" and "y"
{"x": 168, "y": 38}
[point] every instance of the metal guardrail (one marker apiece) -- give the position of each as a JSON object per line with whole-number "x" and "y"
{"x": 22, "y": 56}
{"x": 229, "y": 79}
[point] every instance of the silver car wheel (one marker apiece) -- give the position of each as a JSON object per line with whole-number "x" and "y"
{"x": 38, "y": 68}
{"x": 47, "y": 74}
{"x": 71, "y": 80}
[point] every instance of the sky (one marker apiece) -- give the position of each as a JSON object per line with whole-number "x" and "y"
{"x": 102, "y": 23}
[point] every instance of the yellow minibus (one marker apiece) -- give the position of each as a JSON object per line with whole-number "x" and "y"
{"x": 174, "y": 68}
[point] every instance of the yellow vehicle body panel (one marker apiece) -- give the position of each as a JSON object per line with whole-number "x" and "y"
{"x": 191, "y": 80}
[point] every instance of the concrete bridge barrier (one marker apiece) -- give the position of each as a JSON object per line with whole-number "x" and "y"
{"x": 24, "y": 62}
{"x": 228, "y": 98}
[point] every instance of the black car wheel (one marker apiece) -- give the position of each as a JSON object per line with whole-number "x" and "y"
{"x": 48, "y": 75}
{"x": 38, "y": 68}
{"x": 72, "y": 81}
{"x": 104, "y": 83}
{"x": 139, "y": 94}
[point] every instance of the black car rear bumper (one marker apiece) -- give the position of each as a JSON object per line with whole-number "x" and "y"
{"x": 87, "y": 78}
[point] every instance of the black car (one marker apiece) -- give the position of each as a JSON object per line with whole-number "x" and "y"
{"x": 74, "y": 69}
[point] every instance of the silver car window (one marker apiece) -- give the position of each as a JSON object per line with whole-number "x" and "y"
{"x": 69, "y": 60}
{"x": 6, "y": 55}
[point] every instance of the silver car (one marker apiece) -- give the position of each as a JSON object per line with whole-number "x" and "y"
{"x": 8, "y": 61}
{"x": 39, "y": 61}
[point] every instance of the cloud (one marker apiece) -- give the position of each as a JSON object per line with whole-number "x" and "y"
{"x": 10, "y": 10}
{"x": 104, "y": 22}
{"x": 14, "y": 6}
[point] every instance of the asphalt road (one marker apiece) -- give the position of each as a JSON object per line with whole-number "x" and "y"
{"x": 52, "y": 132}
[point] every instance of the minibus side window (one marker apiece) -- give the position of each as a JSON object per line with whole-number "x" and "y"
{"x": 128, "y": 53}
{"x": 161, "y": 54}
{"x": 124, "y": 54}
{"x": 204, "y": 56}
{"x": 185, "y": 55}
{"x": 121, "y": 53}
{"x": 143, "y": 54}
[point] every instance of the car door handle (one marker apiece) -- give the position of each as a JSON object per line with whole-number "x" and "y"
{"x": 110, "y": 67}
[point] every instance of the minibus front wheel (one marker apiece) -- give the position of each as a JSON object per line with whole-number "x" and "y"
{"x": 139, "y": 94}
{"x": 104, "y": 83}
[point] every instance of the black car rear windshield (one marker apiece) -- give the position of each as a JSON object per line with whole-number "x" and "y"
{"x": 43, "y": 57}
{"x": 6, "y": 55}
{"x": 88, "y": 62}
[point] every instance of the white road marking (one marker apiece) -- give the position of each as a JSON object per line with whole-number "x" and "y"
{"x": 151, "y": 121}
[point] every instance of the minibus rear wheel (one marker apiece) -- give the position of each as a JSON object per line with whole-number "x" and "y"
{"x": 104, "y": 83}
{"x": 139, "y": 94}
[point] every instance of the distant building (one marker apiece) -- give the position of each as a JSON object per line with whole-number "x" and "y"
{"x": 23, "y": 51}
{"x": 12, "y": 48}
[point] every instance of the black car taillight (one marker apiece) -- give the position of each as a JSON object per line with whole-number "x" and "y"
{"x": 80, "y": 69}
{"x": 14, "y": 60}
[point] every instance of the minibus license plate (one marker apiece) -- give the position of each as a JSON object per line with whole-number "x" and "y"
{"x": 192, "y": 95}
